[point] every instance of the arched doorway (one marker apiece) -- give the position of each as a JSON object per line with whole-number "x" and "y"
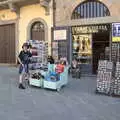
{"x": 90, "y": 41}
{"x": 38, "y": 31}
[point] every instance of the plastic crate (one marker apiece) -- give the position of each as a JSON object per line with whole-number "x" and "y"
{"x": 56, "y": 85}
{"x": 36, "y": 82}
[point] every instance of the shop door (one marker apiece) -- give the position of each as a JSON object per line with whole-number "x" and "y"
{"x": 100, "y": 42}
{"x": 7, "y": 43}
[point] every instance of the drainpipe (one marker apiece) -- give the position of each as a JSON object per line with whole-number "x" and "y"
{"x": 54, "y": 24}
{"x": 54, "y": 13}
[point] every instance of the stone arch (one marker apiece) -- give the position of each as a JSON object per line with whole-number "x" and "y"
{"x": 74, "y": 4}
{"x": 102, "y": 10}
{"x": 30, "y": 25}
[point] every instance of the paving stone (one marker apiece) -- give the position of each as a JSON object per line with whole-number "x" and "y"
{"x": 76, "y": 101}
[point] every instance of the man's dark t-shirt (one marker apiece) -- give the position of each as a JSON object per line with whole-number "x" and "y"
{"x": 25, "y": 57}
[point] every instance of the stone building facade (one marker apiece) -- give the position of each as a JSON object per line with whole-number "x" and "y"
{"x": 64, "y": 9}
{"x": 92, "y": 15}
{"x": 19, "y": 17}
{"x": 21, "y": 20}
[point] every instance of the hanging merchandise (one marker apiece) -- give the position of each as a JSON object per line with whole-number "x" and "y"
{"x": 55, "y": 49}
{"x": 39, "y": 52}
{"x": 107, "y": 53}
{"x": 59, "y": 49}
{"x": 114, "y": 52}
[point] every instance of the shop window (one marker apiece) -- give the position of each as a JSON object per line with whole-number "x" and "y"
{"x": 38, "y": 31}
{"x": 90, "y": 9}
{"x": 82, "y": 48}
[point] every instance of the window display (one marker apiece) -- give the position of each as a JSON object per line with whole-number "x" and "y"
{"x": 82, "y": 48}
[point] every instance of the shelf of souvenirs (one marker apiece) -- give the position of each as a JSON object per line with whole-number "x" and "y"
{"x": 39, "y": 56}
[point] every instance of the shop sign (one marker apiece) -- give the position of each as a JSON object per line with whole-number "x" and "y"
{"x": 116, "y": 32}
{"x": 89, "y": 29}
{"x": 60, "y": 34}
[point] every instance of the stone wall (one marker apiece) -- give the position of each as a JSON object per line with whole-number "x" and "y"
{"x": 29, "y": 15}
{"x": 64, "y": 9}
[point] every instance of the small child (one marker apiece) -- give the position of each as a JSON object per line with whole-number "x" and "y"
{"x": 60, "y": 67}
{"x": 24, "y": 59}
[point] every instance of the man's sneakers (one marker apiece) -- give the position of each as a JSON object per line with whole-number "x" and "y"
{"x": 26, "y": 78}
{"x": 21, "y": 86}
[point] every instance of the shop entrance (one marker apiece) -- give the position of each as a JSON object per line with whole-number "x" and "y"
{"x": 100, "y": 43}
{"x": 89, "y": 44}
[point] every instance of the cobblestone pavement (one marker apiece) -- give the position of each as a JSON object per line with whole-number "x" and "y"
{"x": 76, "y": 101}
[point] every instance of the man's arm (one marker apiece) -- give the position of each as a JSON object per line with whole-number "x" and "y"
{"x": 19, "y": 60}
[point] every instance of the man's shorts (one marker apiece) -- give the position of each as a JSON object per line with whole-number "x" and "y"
{"x": 23, "y": 69}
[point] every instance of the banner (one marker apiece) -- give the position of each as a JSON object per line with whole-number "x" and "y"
{"x": 115, "y": 32}
{"x": 89, "y": 29}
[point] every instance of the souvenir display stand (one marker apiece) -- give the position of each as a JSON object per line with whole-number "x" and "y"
{"x": 117, "y": 80}
{"x": 116, "y": 60}
{"x": 56, "y": 84}
{"x": 38, "y": 62}
{"x": 40, "y": 70}
{"x": 108, "y": 77}
{"x": 107, "y": 82}
{"x": 104, "y": 77}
